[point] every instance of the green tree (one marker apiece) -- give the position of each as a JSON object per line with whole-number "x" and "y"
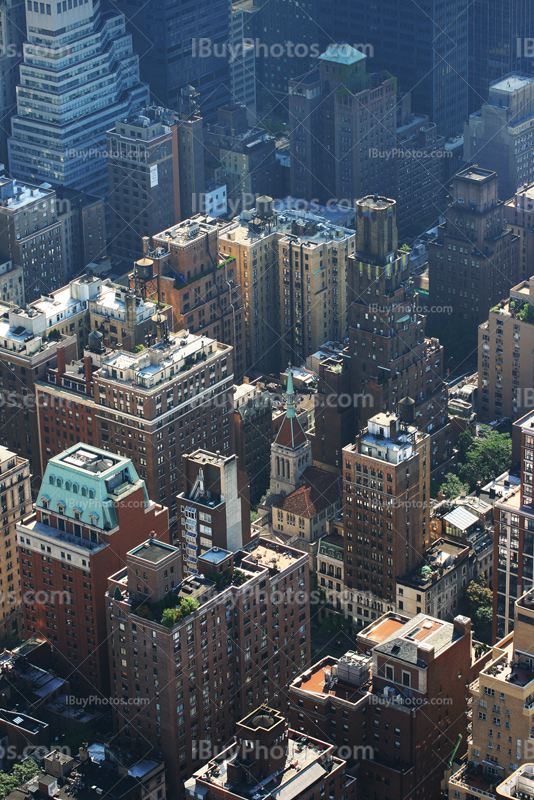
{"x": 168, "y": 618}
{"x": 476, "y": 596}
{"x": 482, "y": 620}
{"x": 463, "y": 443}
{"x": 452, "y": 486}
{"x": 20, "y": 774}
{"x": 488, "y": 456}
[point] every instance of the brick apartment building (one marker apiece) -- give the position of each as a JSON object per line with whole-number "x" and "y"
{"x": 15, "y": 503}
{"x": 92, "y": 506}
{"x": 171, "y": 398}
{"x": 386, "y": 497}
{"x": 269, "y": 757}
{"x": 380, "y": 703}
{"x": 65, "y": 405}
{"x": 390, "y": 355}
{"x": 183, "y": 269}
{"x": 236, "y": 646}
{"x": 214, "y": 506}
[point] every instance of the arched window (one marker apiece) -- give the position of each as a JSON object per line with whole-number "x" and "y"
{"x": 51, "y": 479}
{"x": 91, "y": 493}
{"x": 59, "y": 483}
{"x": 75, "y": 488}
{"x": 84, "y": 491}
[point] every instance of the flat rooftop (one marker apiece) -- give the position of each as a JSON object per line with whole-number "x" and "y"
{"x": 511, "y": 83}
{"x": 385, "y": 627}
{"x": 91, "y": 460}
{"x": 153, "y": 551}
{"x": 215, "y": 555}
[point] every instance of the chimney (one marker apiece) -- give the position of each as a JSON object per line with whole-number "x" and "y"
{"x": 61, "y": 360}
{"x": 462, "y": 625}
{"x": 88, "y": 370}
{"x": 425, "y": 653}
{"x": 145, "y": 241}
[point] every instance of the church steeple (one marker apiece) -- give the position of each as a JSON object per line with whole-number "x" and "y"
{"x": 291, "y": 432}
{"x": 291, "y": 449}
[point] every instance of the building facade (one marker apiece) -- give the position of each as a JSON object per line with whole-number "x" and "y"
{"x": 499, "y": 136}
{"x": 91, "y": 507}
{"x": 64, "y": 142}
{"x": 474, "y": 260}
{"x": 214, "y": 506}
{"x": 506, "y": 342}
{"x": 144, "y": 181}
{"x": 386, "y": 497}
{"x": 212, "y": 642}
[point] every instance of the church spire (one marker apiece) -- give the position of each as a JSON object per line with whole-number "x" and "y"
{"x": 290, "y": 396}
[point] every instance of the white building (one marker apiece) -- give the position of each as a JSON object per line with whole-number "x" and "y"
{"x": 78, "y": 76}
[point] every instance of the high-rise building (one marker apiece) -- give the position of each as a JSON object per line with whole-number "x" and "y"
{"x": 243, "y": 65}
{"x": 505, "y": 346}
{"x": 514, "y": 536}
{"x": 60, "y": 136}
{"x": 386, "y": 497}
{"x": 12, "y": 36}
{"x": 65, "y": 406}
{"x": 171, "y": 398}
{"x": 144, "y": 181}
{"x": 178, "y": 47}
{"x": 214, "y": 506}
{"x": 501, "y": 708}
{"x": 285, "y": 41}
{"x": 474, "y": 260}
{"x": 12, "y": 284}
{"x": 203, "y": 288}
{"x": 519, "y": 215}
{"x": 83, "y": 220}
{"x": 32, "y": 235}
{"x": 500, "y": 40}
{"x": 217, "y": 644}
{"x": 499, "y": 135}
{"x": 313, "y": 263}
{"x": 269, "y": 756}
{"x": 15, "y": 503}
{"x": 26, "y": 352}
{"x": 191, "y": 153}
{"x": 334, "y": 419}
{"x": 91, "y": 508}
{"x": 333, "y": 113}
{"x": 253, "y": 435}
{"x": 292, "y": 268}
{"x": 429, "y": 59}
{"x": 253, "y": 244}
{"x": 396, "y": 707}
{"x": 246, "y": 157}
{"x": 390, "y": 356}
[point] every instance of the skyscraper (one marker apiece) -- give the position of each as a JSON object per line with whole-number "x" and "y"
{"x": 338, "y": 115}
{"x": 423, "y": 44}
{"x": 179, "y": 45}
{"x": 497, "y": 46}
{"x": 79, "y": 74}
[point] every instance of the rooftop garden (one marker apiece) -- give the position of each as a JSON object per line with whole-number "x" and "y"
{"x": 169, "y": 611}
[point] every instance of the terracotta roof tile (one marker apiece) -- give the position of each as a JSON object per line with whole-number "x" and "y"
{"x": 320, "y": 490}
